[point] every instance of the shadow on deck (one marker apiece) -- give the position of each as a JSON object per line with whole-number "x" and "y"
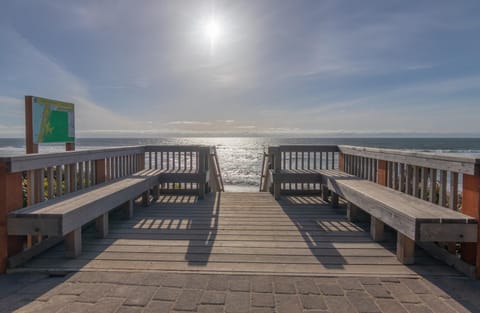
{"x": 238, "y": 233}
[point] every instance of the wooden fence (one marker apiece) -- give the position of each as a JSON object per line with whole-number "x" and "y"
{"x": 33, "y": 178}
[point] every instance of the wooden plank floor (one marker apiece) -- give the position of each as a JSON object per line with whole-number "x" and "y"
{"x": 238, "y": 233}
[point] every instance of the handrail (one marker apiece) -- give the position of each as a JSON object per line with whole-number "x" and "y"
{"x": 28, "y": 162}
{"x": 465, "y": 164}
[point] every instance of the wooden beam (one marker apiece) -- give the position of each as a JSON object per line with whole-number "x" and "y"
{"x": 101, "y": 225}
{"x": 377, "y": 228}
{"x": 471, "y": 206}
{"x": 352, "y": 212}
{"x": 405, "y": 249}
{"x": 73, "y": 243}
{"x": 128, "y": 209}
{"x": 334, "y": 200}
{"x": 11, "y": 198}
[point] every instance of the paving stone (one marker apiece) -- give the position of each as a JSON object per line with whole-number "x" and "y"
{"x": 337, "y": 304}
{"x": 73, "y": 288}
{"x": 94, "y": 292}
{"x": 166, "y": 294}
{"x": 208, "y": 308}
{"x": 158, "y": 306}
{"x": 417, "y": 308}
{"x": 99, "y": 277}
{"x": 350, "y": 283}
{"x": 54, "y": 304}
{"x": 285, "y": 303}
{"x": 306, "y": 286}
{"x": 378, "y": 291}
{"x": 134, "y": 295}
{"x": 262, "y": 310}
{"x": 362, "y": 302}
{"x": 390, "y": 306}
{"x": 284, "y": 285}
{"x": 416, "y": 285}
{"x": 236, "y": 284}
{"x": 130, "y": 309}
{"x": 197, "y": 281}
{"x": 22, "y": 307}
{"x": 325, "y": 280}
{"x": 313, "y": 302}
{"x": 188, "y": 300}
{"x": 262, "y": 284}
{"x": 174, "y": 280}
{"x": 144, "y": 279}
{"x": 106, "y": 305}
{"x": 217, "y": 282}
{"x": 434, "y": 287}
{"x": 436, "y": 304}
{"x": 464, "y": 307}
{"x": 213, "y": 297}
{"x": 331, "y": 289}
{"x": 76, "y": 307}
{"x": 390, "y": 279}
{"x": 402, "y": 293}
{"x": 237, "y": 302}
{"x": 370, "y": 281}
{"x": 262, "y": 300}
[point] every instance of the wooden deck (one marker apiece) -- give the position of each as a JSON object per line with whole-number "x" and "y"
{"x": 244, "y": 233}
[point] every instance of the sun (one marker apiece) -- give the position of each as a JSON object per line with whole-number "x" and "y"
{"x": 213, "y": 31}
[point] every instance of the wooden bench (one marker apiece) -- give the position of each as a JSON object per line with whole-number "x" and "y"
{"x": 65, "y": 216}
{"x": 413, "y": 219}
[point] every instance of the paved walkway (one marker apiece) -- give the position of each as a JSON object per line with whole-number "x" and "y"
{"x": 166, "y": 292}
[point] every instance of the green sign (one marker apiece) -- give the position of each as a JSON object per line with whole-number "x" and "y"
{"x": 52, "y": 121}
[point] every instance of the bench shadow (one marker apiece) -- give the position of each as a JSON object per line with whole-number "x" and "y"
{"x": 321, "y": 227}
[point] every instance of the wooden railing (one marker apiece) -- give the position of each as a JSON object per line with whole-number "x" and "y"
{"x": 432, "y": 177}
{"x": 448, "y": 180}
{"x": 297, "y": 158}
{"x": 29, "y": 179}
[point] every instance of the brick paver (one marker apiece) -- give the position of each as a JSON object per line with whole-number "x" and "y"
{"x": 166, "y": 292}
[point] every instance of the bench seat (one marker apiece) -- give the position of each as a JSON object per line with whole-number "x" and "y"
{"x": 417, "y": 219}
{"x": 65, "y": 215}
{"x": 414, "y": 219}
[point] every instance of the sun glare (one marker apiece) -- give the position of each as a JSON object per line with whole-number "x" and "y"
{"x": 213, "y": 32}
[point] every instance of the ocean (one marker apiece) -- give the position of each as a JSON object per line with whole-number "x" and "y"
{"x": 241, "y": 157}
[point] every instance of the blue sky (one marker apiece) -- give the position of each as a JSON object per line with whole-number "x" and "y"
{"x": 277, "y": 67}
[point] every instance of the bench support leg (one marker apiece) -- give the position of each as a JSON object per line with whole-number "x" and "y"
{"x": 352, "y": 212}
{"x": 156, "y": 192}
{"x": 405, "y": 249}
{"x": 376, "y": 229}
{"x": 201, "y": 190}
{"x": 325, "y": 192}
{"x": 128, "y": 209}
{"x": 145, "y": 198}
{"x": 276, "y": 190}
{"x": 334, "y": 200}
{"x": 101, "y": 226}
{"x": 73, "y": 243}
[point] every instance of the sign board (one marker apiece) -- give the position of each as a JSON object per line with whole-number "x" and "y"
{"x": 52, "y": 121}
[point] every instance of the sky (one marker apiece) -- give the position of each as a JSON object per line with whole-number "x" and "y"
{"x": 287, "y": 68}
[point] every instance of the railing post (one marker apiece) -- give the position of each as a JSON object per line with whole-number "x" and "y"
{"x": 11, "y": 198}
{"x": 277, "y": 164}
{"x": 202, "y": 171}
{"x": 471, "y": 207}
{"x": 382, "y": 172}
{"x": 100, "y": 174}
{"x": 341, "y": 162}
